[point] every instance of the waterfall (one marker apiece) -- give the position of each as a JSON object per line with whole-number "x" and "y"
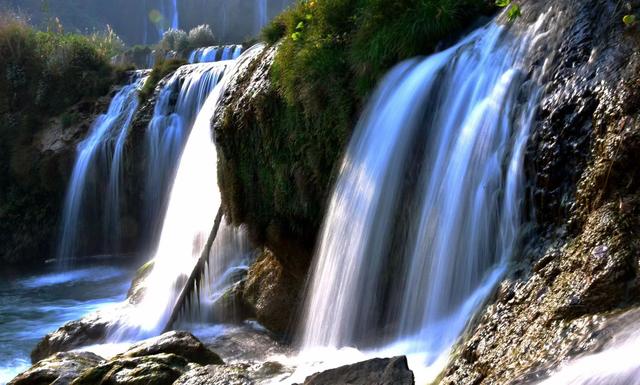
{"x": 210, "y": 54}
{"x": 177, "y": 106}
{"x": 263, "y": 17}
{"x": 425, "y": 214}
{"x": 616, "y": 365}
{"x": 193, "y": 205}
{"x": 98, "y": 158}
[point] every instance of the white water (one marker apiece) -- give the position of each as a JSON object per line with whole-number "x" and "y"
{"x": 98, "y": 157}
{"x": 193, "y": 206}
{"x": 178, "y": 104}
{"x": 618, "y": 364}
{"x": 210, "y": 54}
{"x": 435, "y": 164}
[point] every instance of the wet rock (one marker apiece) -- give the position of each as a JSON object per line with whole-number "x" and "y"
{"x": 379, "y": 371}
{"x": 272, "y": 292}
{"x": 216, "y": 375}
{"x": 87, "y": 331}
{"x": 181, "y": 343}
{"x": 236, "y": 374}
{"x": 159, "y": 369}
{"x": 137, "y": 288}
{"x": 59, "y": 369}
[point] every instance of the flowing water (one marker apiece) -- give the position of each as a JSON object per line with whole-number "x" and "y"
{"x": 617, "y": 364}
{"x": 99, "y": 158}
{"x": 192, "y": 209}
{"x": 210, "y": 54}
{"x": 177, "y": 106}
{"x": 33, "y": 305}
{"x": 435, "y": 165}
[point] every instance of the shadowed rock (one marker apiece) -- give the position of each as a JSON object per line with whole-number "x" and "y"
{"x": 379, "y": 371}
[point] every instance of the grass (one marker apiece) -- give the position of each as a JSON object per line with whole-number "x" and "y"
{"x": 282, "y": 151}
{"x": 160, "y": 70}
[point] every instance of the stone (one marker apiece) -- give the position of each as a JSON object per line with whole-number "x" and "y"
{"x": 159, "y": 369}
{"x": 59, "y": 369}
{"x": 87, "y": 331}
{"x": 379, "y": 371}
{"x": 180, "y": 343}
{"x": 217, "y": 375}
{"x": 272, "y": 293}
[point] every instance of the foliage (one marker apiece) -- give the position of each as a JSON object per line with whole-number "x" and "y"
{"x": 175, "y": 40}
{"x": 161, "y": 69}
{"x": 201, "y": 36}
{"x": 42, "y": 74}
{"x": 280, "y": 154}
{"x": 513, "y": 9}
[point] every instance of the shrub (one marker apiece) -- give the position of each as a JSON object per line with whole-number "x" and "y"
{"x": 160, "y": 70}
{"x": 201, "y": 36}
{"x": 175, "y": 40}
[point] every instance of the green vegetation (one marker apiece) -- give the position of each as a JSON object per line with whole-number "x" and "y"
{"x": 42, "y": 74}
{"x": 280, "y": 154}
{"x": 160, "y": 70}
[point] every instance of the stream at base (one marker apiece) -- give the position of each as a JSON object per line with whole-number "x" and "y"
{"x": 32, "y": 305}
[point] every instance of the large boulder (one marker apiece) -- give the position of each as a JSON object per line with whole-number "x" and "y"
{"x": 159, "y": 369}
{"x": 272, "y": 292}
{"x": 87, "y": 331}
{"x": 379, "y": 371}
{"x": 181, "y": 343}
{"x": 59, "y": 369}
{"x": 236, "y": 374}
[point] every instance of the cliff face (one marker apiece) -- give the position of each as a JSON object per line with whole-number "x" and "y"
{"x": 577, "y": 279}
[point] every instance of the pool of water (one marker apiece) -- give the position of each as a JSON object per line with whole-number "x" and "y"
{"x": 33, "y": 305}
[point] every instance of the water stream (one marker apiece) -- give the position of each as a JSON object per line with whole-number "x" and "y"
{"x": 426, "y": 213}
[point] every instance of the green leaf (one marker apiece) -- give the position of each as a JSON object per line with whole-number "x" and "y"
{"x": 629, "y": 20}
{"x": 514, "y": 12}
{"x": 300, "y": 26}
{"x": 503, "y": 3}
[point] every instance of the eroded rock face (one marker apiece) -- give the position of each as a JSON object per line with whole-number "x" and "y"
{"x": 180, "y": 343}
{"x": 379, "y": 371}
{"x": 59, "y": 369}
{"x": 581, "y": 270}
{"x": 272, "y": 292}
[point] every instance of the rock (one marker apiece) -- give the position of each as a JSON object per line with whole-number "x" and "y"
{"x": 272, "y": 293}
{"x": 180, "y": 343}
{"x": 87, "y": 331}
{"x": 159, "y": 369}
{"x": 216, "y": 375}
{"x": 136, "y": 290}
{"x": 59, "y": 369}
{"x": 379, "y": 371}
{"x": 236, "y": 374}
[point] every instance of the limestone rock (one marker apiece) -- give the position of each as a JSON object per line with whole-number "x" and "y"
{"x": 58, "y": 369}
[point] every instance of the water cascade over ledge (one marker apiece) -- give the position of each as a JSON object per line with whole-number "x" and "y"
{"x": 193, "y": 205}
{"x": 178, "y": 104}
{"x": 426, "y": 212}
{"x": 99, "y": 157}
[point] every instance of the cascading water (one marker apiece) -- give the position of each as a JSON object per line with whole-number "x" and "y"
{"x": 178, "y": 104}
{"x": 262, "y": 13}
{"x": 460, "y": 121}
{"x": 98, "y": 158}
{"x": 210, "y": 54}
{"x": 616, "y": 365}
{"x": 192, "y": 209}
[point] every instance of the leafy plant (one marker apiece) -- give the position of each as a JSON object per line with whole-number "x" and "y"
{"x": 513, "y": 12}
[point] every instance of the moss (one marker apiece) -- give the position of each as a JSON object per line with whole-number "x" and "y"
{"x": 160, "y": 70}
{"x": 281, "y": 149}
